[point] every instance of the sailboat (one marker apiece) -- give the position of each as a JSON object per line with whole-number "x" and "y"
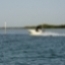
{"x": 5, "y": 27}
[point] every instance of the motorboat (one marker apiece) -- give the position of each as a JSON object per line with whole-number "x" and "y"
{"x": 36, "y": 31}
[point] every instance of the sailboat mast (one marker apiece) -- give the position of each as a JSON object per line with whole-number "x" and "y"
{"x": 5, "y": 27}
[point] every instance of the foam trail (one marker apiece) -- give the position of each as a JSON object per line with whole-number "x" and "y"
{"x": 44, "y": 33}
{"x": 52, "y": 34}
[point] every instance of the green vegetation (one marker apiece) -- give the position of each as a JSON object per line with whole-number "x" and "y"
{"x": 47, "y": 26}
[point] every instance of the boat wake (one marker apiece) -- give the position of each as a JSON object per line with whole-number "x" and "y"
{"x": 52, "y": 34}
{"x": 48, "y": 34}
{"x": 33, "y": 32}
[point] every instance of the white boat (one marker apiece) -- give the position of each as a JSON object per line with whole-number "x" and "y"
{"x": 37, "y": 31}
{"x": 34, "y": 32}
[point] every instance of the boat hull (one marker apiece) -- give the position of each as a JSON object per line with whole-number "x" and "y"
{"x": 34, "y": 32}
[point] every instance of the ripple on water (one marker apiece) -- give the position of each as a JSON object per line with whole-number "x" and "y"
{"x": 27, "y": 50}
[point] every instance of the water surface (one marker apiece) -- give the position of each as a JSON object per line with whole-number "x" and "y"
{"x": 17, "y": 47}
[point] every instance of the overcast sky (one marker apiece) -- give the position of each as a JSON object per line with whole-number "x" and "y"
{"x": 31, "y": 12}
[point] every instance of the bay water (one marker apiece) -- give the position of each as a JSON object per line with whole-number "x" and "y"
{"x": 18, "y": 47}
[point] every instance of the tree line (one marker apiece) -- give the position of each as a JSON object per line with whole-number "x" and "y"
{"x": 46, "y": 26}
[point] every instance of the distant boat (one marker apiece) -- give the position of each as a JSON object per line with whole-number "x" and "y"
{"x": 36, "y": 31}
{"x": 39, "y": 32}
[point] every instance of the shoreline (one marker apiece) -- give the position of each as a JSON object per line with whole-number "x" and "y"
{"x": 48, "y": 26}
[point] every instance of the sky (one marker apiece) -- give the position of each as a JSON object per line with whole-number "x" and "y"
{"x": 19, "y": 13}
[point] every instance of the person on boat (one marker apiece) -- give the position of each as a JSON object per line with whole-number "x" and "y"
{"x": 38, "y": 28}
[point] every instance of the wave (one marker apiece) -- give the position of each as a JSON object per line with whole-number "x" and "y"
{"x": 52, "y": 34}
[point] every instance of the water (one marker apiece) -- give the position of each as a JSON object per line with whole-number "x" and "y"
{"x": 17, "y": 47}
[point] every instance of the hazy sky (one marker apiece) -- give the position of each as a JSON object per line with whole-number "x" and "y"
{"x": 32, "y": 12}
